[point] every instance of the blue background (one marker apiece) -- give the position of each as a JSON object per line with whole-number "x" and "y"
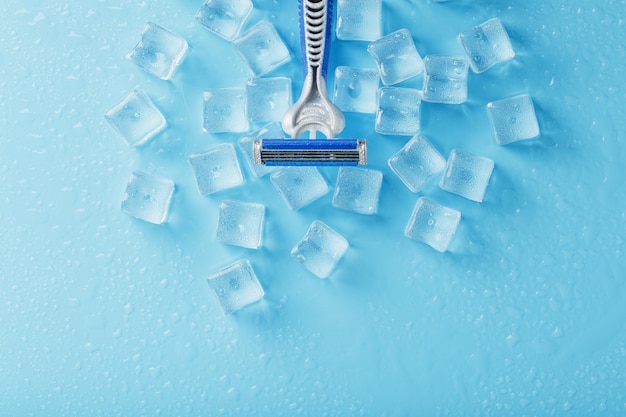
{"x": 102, "y": 314}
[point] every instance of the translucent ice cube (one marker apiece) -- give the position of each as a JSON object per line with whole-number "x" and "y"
{"x": 398, "y": 111}
{"x": 359, "y": 20}
{"x": 136, "y": 118}
{"x": 320, "y": 249}
{"x": 159, "y": 51}
{"x": 268, "y": 99}
{"x": 270, "y": 131}
{"x": 225, "y": 110}
{"x": 486, "y": 45}
{"x": 467, "y": 175}
{"x": 299, "y": 186}
{"x": 240, "y": 224}
{"x": 417, "y": 162}
{"x": 262, "y": 48}
{"x": 236, "y": 286}
{"x": 357, "y": 190}
{"x": 432, "y": 224}
{"x": 513, "y": 119}
{"x": 216, "y": 169}
{"x": 224, "y": 17}
{"x": 147, "y": 197}
{"x": 356, "y": 89}
{"x": 445, "y": 79}
{"x": 396, "y": 56}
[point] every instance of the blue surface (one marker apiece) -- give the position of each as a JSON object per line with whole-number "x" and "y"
{"x": 101, "y": 314}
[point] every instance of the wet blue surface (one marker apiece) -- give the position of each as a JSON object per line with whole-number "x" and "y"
{"x": 102, "y": 314}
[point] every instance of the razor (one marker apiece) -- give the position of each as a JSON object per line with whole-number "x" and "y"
{"x": 313, "y": 112}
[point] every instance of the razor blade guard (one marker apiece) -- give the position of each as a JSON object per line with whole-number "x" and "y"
{"x": 297, "y": 152}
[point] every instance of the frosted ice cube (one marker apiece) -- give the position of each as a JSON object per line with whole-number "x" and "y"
{"x": 224, "y": 17}
{"x": 240, "y": 223}
{"x": 236, "y": 286}
{"x": 416, "y": 163}
{"x": 486, "y": 45}
{"x": 513, "y": 119}
{"x": 268, "y": 99}
{"x": 216, "y": 169}
{"x": 159, "y": 51}
{"x": 320, "y": 249}
{"x": 433, "y": 224}
{"x": 262, "y": 48}
{"x": 359, "y": 20}
{"x": 396, "y": 56}
{"x": 136, "y": 118}
{"x": 445, "y": 79}
{"x": 357, "y": 190}
{"x": 299, "y": 185}
{"x": 467, "y": 175}
{"x": 356, "y": 89}
{"x": 398, "y": 111}
{"x": 147, "y": 197}
{"x": 225, "y": 110}
{"x": 270, "y": 131}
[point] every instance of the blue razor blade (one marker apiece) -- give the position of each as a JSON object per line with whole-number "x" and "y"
{"x": 290, "y": 152}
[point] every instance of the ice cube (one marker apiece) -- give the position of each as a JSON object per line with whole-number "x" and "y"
{"x": 270, "y": 131}
{"x": 467, "y": 175}
{"x": 262, "y": 48}
{"x": 359, "y": 20}
{"x": 236, "y": 286}
{"x": 513, "y": 119}
{"x": 396, "y": 56}
{"x": 216, "y": 169}
{"x": 159, "y": 51}
{"x": 356, "y": 89}
{"x": 240, "y": 223}
{"x": 486, "y": 45}
{"x": 398, "y": 111}
{"x": 433, "y": 224}
{"x": 445, "y": 79}
{"x": 225, "y": 110}
{"x": 147, "y": 197}
{"x": 320, "y": 249}
{"x": 357, "y": 190}
{"x": 136, "y": 118}
{"x": 268, "y": 99}
{"x": 299, "y": 185}
{"x": 224, "y": 17}
{"x": 417, "y": 162}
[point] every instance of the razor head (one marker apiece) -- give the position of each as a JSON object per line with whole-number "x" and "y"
{"x": 299, "y": 152}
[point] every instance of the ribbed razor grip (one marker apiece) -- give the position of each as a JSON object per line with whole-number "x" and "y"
{"x": 315, "y": 25}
